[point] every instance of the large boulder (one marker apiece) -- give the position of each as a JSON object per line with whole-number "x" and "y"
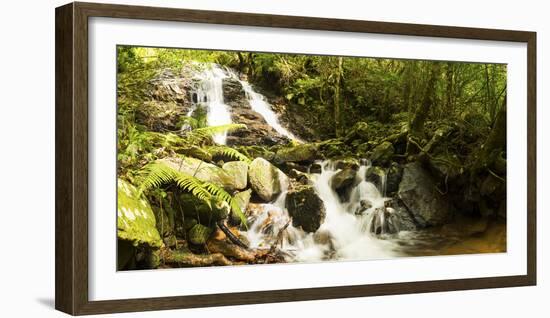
{"x": 418, "y": 192}
{"x": 239, "y": 171}
{"x": 303, "y": 153}
{"x": 382, "y": 153}
{"x": 135, "y": 219}
{"x": 203, "y": 171}
{"x": 306, "y": 208}
{"x": 266, "y": 180}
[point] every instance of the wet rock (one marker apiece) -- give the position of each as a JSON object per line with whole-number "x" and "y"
{"x": 347, "y": 163}
{"x": 382, "y": 153}
{"x": 342, "y": 180}
{"x": 135, "y": 219}
{"x": 239, "y": 171}
{"x": 302, "y": 153}
{"x": 364, "y": 205}
{"x": 377, "y": 176}
{"x": 299, "y": 176}
{"x": 382, "y": 222}
{"x": 232, "y": 89}
{"x": 258, "y": 131}
{"x": 202, "y": 171}
{"x": 402, "y": 218}
{"x": 315, "y": 168}
{"x": 266, "y": 180}
{"x": 306, "y": 208}
{"x": 292, "y": 165}
{"x": 391, "y": 219}
{"x": 418, "y": 192}
{"x": 393, "y": 178}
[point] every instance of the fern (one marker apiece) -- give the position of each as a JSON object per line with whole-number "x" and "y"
{"x": 202, "y": 134}
{"x": 157, "y": 174}
{"x": 227, "y": 152}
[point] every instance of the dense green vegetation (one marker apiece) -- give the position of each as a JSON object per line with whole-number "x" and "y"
{"x": 449, "y": 117}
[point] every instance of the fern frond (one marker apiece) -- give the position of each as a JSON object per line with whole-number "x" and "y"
{"x": 227, "y": 152}
{"x": 157, "y": 174}
{"x": 221, "y": 194}
{"x": 207, "y": 132}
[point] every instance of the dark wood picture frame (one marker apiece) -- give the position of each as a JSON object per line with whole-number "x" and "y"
{"x": 71, "y": 157}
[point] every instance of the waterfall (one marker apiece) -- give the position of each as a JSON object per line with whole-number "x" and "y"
{"x": 259, "y": 104}
{"x": 210, "y": 93}
{"x": 346, "y": 232}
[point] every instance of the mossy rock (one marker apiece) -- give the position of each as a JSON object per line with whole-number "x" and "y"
{"x": 135, "y": 218}
{"x": 239, "y": 171}
{"x": 205, "y": 213}
{"x": 199, "y": 234}
{"x": 303, "y": 153}
{"x": 202, "y": 170}
{"x": 359, "y": 131}
{"x": 306, "y": 208}
{"x": 333, "y": 148}
{"x": 382, "y": 154}
{"x": 242, "y": 199}
{"x": 347, "y": 163}
{"x": 266, "y": 180}
{"x": 195, "y": 152}
{"x": 342, "y": 180}
{"x": 256, "y": 151}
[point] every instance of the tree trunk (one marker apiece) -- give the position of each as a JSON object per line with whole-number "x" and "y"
{"x": 450, "y": 87}
{"x": 337, "y": 109}
{"x": 416, "y": 128}
{"x": 496, "y": 141}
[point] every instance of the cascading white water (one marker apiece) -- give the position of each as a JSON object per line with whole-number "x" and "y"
{"x": 259, "y": 104}
{"x": 347, "y": 235}
{"x": 210, "y": 93}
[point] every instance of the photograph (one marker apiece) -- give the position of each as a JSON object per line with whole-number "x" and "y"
{"x": 247, "y": 158}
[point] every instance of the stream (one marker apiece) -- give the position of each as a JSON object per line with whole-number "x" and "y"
{"x": 345, "y": 234}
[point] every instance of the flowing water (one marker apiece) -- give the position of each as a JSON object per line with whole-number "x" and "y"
{"x": 210, "y": 94}
{"x": 344, "y": 235}
{"x": 259, "y": 104}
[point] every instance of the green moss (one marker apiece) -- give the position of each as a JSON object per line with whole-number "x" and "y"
{"x": 136, "y": 220}
{"x": 298, "y": 153}
{"x": 199, "y": 234}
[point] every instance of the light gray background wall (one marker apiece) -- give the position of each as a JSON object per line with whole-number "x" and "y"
{"x": 27, "y": 157}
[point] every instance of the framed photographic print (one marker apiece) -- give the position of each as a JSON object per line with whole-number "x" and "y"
{"x": 211, "y": 158}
